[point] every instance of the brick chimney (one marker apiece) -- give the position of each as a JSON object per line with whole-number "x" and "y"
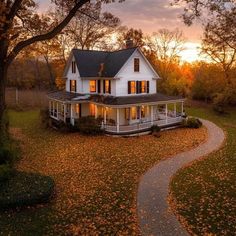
{"x": 129, "y": 43}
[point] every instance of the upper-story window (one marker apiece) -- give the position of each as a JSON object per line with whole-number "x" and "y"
{"x": 136, "y": 65}
{"x": 131, "y": 87}
{"x": 73, "y": 86}
{"x": 136, "y": 87}
{"x": 92, "y": 85}
{"x": 107, "y": 86}
{"x": 143, "y": 86}
{"x": 73, "y": 67}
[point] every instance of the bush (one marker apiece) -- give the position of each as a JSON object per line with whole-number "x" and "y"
{"x": 45, "y": 118}
{"x": 219, "y": 103}
{"x": 192, "y": 122}
{"x": 25, "y": 189}
{"x": 5, "y": 172}
{"x": 4, "y": 128}
{"x": 155, "y": 129}
{"x": 7, "y": 156}
{"x": 89, "y": 126}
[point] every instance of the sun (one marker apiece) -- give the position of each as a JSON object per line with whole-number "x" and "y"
{"x": 191, "y": 52}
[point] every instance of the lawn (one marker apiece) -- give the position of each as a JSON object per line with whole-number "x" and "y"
{"x": 96, "y": 177}
{"x": 204, "y": 193}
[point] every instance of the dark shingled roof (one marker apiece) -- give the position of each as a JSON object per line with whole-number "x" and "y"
{"x": 110, "y": 100}
{"x": 136, "y": 99}
{"x": 89, "y": 62}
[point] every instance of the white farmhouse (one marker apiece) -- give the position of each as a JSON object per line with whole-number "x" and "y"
{"x": 118, "y": 87}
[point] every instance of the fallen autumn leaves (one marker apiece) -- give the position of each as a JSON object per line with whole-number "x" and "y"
{"x": 96, "y": 178}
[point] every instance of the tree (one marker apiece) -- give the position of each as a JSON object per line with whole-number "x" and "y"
{"x": 166, "y": 46}
{"x": 135, "y": 36}
{"x": 17, "y": 18}
{"x": 85, "y": 33}
{"x": 219, "y": 41}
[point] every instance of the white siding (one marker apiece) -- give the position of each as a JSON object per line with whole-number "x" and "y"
{"x": 127, "y": 74}
{"x": 73, "y": 76}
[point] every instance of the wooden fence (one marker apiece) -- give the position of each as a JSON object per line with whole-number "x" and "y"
{"x": 26, "y": 98}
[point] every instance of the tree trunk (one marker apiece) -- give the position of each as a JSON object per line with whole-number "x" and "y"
{"x": 52, "y": 79}
{"x": 3, "y": 125}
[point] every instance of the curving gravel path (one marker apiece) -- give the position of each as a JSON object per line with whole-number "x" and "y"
{"x": 154, "y": 216}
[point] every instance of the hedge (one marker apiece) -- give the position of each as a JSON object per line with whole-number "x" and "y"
{"x": 25, "y": 189}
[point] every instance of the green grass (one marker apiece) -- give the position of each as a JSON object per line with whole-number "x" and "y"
{"x": 204, "y": 193}
{"x": 96, "y": 178}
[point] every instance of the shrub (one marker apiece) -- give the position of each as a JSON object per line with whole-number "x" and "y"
{"x": 4, "y": 127}
{"x": 6, "y": 156}
{"x": 45, "y": 118}
{"x": 5, "y": 172}
{"x": 88, "y": 125}
{"x": 192, "y": 122}
{"x": 219, "y": 103}
{"x": 25, "y": 189}
{"x": 155, "y": 129}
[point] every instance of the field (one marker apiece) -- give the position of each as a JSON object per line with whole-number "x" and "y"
{"x": 96, "y": 177}
{"x": 204, "y": 193}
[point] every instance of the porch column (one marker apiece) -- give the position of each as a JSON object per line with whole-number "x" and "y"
{"x": 152, "y": 118}
{"x": 105, "y": 115}
{"x": 64, "y": 107}
{"x": 71, "y": 115}
{"x": 175, "y": 109}
{"x": 53, "y": 109}
{"x": 57, "y": 110}
{"x": 182, "y": 108}
{"x": 50, "y": 109}
{"x": 166, "y": 113}
{"x": 118, "y": 120}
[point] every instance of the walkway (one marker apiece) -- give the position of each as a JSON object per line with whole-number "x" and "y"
{"x": 154, "y": 217}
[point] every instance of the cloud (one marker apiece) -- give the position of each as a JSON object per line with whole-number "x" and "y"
{"x": 151, "y": 15}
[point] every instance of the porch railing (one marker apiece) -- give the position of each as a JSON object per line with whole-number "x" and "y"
{"x": 143, "y": 125}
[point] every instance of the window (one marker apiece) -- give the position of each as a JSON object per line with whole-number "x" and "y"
{"x": 136, "y": 64}
{"x": 133, "y": 113}
{"x": 143, "y": 87}
{"x": 92, "y": 85}
{"x": 133, "y": 87}
{"x": 143, "y": 111}
{"x": 107, "y": 86}
{"x": 73, "y": 86}
{"x": 73, "y": 67}
{"x": 92, "y": 109}
{"x": 77, "y": 109}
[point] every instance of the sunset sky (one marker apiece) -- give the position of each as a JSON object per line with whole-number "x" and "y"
{"x": 151, "y": 15}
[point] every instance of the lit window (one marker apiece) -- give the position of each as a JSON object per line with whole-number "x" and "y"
{"x": 92, "y": 85}
{"x": 133, "y": 87}
{"x": 143, "y": 111}
{"x": 136, "y": 64}
{"x": 92, "y": 109}
{"x": 133, "y": 113}
{"x": 143, "y": 87}
{"x": 73, "y": 85}
{"x": 107, "y": 86}
{"x": 77, "y": 109}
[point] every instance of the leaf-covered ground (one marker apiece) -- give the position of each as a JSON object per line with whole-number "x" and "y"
{"x": 96, "y": 178}
{"x": 204, "y": 194}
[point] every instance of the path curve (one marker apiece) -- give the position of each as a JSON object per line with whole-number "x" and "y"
{"x": 154, "y": 215}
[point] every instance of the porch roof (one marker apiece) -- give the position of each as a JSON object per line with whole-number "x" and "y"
{"x": 135, "y": 99}
{"x": 64, "y": 96}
